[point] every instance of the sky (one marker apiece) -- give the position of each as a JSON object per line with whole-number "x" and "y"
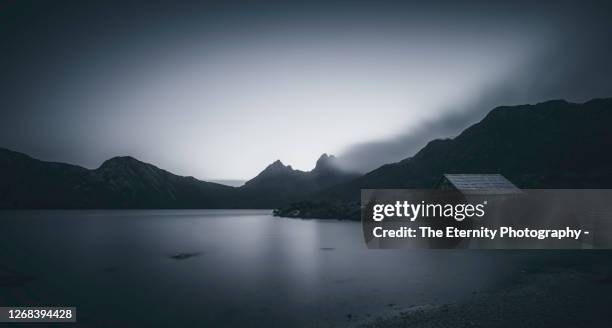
{"x": 220, "y": 89}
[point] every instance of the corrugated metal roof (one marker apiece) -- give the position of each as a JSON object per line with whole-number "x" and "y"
{"x": 482, "y": 184}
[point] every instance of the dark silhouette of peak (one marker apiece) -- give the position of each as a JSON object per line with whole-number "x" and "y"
{"x": 326, "y": 163}
{"x": 127, "y": 165}
{"x": 277, "y": 167}
{"x": 280, "y": 184}
{"x": 274, "y": 174}
{"x": 121, "y": 161}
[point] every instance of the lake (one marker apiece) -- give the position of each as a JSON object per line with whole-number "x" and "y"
{"x": 230, "y": 268}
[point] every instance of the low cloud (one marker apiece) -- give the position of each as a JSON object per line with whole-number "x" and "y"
{"x": 576, "y": 67}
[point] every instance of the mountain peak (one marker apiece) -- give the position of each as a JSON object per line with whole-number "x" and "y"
{"x": 278, "y": 166}
{"x": 326, "y": 163}
{"x": 126, "y": 164}
{"x": 277, "y": 163}
{"x": 119, "y": 161}
{"x": 273, "y": 171}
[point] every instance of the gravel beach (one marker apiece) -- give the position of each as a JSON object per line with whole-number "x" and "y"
{"x": 557, "y": 295}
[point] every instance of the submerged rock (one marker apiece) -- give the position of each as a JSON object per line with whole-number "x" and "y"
{"x": 184, "y": 256}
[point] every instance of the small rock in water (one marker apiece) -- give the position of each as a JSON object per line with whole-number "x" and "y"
{"x": 327, "y": 248}
{"x": 183, "y": 256}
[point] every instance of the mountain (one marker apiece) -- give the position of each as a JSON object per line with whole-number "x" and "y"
{"x": 125, "y": 182}
{"x": 29, "y": 183}
{"x": 554, "y": 144}
{"x": 121, "y": 182}
{"x": 279, "y": 183}
{"x": 132, "y": 183}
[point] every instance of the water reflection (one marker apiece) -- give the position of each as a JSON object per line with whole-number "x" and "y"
{"x": 225, "y": 268}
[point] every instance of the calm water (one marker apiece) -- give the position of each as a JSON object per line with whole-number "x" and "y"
{"x": 250, "y": 269}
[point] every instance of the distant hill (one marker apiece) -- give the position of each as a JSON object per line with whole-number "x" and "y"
{"x": 125, "y": 182}
{"x": 554, "y": 144}
{"x": 120, "y": 182}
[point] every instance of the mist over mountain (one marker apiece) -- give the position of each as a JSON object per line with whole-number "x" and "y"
{"x": 279, "y": 176}
{"x": 387, "y": 76}
{"x": 574, "y": 65}
{"x": 554, "y": 144}
{"x": 279, "y": 183}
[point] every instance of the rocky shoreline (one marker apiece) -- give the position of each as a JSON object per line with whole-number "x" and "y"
{"x": 335, "y": 210}
{"x": 575, "y": 295}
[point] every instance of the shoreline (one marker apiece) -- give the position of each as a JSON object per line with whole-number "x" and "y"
{"x": 575, "y": 295}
